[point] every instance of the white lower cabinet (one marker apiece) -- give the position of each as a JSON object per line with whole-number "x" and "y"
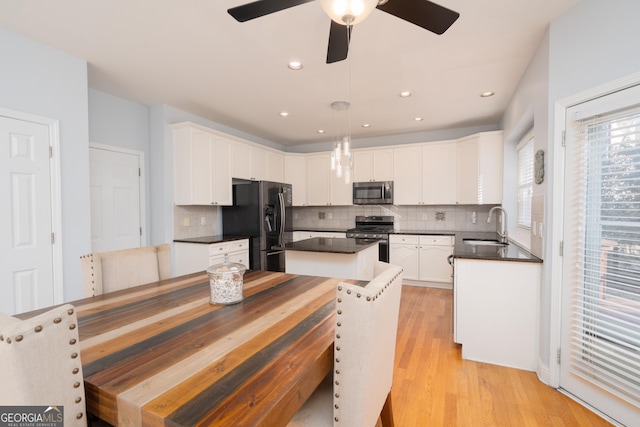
{"x": 194, "y": 257}
{"x": 424, "y": 258}
{"x": 496, "y": 306}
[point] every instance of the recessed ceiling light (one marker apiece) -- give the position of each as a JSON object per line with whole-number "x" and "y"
{"x": 486, "y": 94}
{"x": 321, "y": 131}
{"x": 418, "y": 119}
{"x": 284, "y": 113}
{"x": 405, "y": 94}
{"x": 366, "y": 125}
{"x": 295, "y": 65}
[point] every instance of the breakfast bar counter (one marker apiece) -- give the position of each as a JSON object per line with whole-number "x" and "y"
{"x": 332, "y": 257}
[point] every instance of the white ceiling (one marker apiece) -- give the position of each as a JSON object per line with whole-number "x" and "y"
{"x": 192, "y": 55}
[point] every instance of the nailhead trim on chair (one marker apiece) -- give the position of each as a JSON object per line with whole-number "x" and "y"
{"x": 339, "y": 324}
{"x": 74, "y": 355}
{"x": 93, "y": 274}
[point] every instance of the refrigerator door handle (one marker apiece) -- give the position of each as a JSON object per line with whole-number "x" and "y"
{"x": 275, "y": 253}
{"x": 282, "y": 218}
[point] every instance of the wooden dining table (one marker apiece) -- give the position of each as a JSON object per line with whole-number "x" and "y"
{"x": 162, "y": 354}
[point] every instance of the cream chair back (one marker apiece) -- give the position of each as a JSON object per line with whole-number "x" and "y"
{"x": 364, "y": 348}
{"x": 111, "y": 271}
{"x": 41, "y": 364}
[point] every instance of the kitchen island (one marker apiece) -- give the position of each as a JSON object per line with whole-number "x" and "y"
{"x": 332, "y": 257}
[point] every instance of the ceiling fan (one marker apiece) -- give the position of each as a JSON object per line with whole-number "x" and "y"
{"x": 422, "y": 13}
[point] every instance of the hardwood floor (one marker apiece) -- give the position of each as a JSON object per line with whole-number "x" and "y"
{"x": 433, "y": 386}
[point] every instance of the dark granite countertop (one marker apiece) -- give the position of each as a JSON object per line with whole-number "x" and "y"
{"x": 320, "y": 230}
{"x": 426, "y": 232}
{"x": 207, "y": 240}
{"x": 510, "y": 252}
{"x": 328, "y": 244}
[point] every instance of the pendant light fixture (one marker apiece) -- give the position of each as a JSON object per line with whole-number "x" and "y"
{"x": 341, "y": 161}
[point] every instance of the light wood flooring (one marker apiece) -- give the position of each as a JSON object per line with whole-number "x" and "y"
{"x": 433, "y": 386}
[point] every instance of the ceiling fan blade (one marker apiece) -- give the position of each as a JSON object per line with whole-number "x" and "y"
{"x": 423, "y": 13}
{"x": 260, "y": 8}
{"x": 339, "y": 37}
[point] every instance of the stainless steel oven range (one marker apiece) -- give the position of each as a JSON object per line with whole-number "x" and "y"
{"x": 372, "y": 228}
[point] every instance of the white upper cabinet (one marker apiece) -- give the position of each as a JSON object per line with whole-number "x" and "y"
{"x": 407, "y": 182}
{"x": 275, "y": 166}
{"x": 480, "y": 159}
{"x": 254, "y": 163}
{"x": 295, "y": 173}
{"x": 258, "y": 164}
{"x": 373, "y": 165}
{"x": 200, "y": 167}
{"x": 318, "y": 179}
{"x": 241, "y": 161}
{"x": 340, "y": 193}
{"x": 463, "y": 171}
{"x": 438, "y": 173}
{"x": 425, "y": 174}
{"x": 324, "y": 188}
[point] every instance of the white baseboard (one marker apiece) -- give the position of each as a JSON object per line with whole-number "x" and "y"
{"x": 424, "y": 284}
{"x": 543, "y": 372}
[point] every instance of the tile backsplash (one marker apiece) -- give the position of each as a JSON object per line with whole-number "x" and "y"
{"x": 455, "y": 217}
{"x": 198, "y": 221}
{"x": 188, "y": 221}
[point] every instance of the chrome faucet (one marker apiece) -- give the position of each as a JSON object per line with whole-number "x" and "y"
{"x": 503, "y": 223}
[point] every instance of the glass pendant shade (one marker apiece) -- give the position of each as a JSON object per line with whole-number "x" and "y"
{"x": 348, "y": 12}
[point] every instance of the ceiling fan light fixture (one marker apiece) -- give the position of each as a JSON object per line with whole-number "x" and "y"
{"x": 348, "y": 12}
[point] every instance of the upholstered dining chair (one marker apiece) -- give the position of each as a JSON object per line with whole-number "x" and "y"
{"x": 111, "y": 271}
{"x": 41, "y": 364}
{"x": 358, "y": 392}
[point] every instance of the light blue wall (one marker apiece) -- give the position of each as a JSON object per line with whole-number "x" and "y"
{"x": 593, "y": 43}
{"x": 118, "y": 122}
{"x": 597, "y": 42}
{"x": 38, "y": 80}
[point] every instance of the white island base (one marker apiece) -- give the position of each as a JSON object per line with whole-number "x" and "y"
{"x": 357, "y": 265}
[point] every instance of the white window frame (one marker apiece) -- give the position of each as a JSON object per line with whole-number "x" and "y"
{"x": 526, "y": 142}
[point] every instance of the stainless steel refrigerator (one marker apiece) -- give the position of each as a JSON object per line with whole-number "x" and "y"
{"x": 262, "y": 211}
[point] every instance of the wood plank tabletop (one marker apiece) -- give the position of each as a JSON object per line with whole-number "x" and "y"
{"x": 161, "y": 354}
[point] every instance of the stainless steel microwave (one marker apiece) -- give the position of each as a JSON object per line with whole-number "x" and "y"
{"x": 373, "y": 193}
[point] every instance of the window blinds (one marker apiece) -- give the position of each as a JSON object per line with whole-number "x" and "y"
{"x": 604, "y": 213}
{"x": 525, "y": 182}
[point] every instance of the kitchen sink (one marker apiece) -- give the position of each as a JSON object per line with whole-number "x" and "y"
{"x": 484, "y": 242}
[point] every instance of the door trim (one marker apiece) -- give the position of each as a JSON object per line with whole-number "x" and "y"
{"x": 56, "y": 192}
{"x": 141, "y": 182}
{"x": 557, "y": 232}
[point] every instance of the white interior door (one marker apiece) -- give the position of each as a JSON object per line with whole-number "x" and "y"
{"x": 116, "y": 202}
{"x": 26, "y": 269}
